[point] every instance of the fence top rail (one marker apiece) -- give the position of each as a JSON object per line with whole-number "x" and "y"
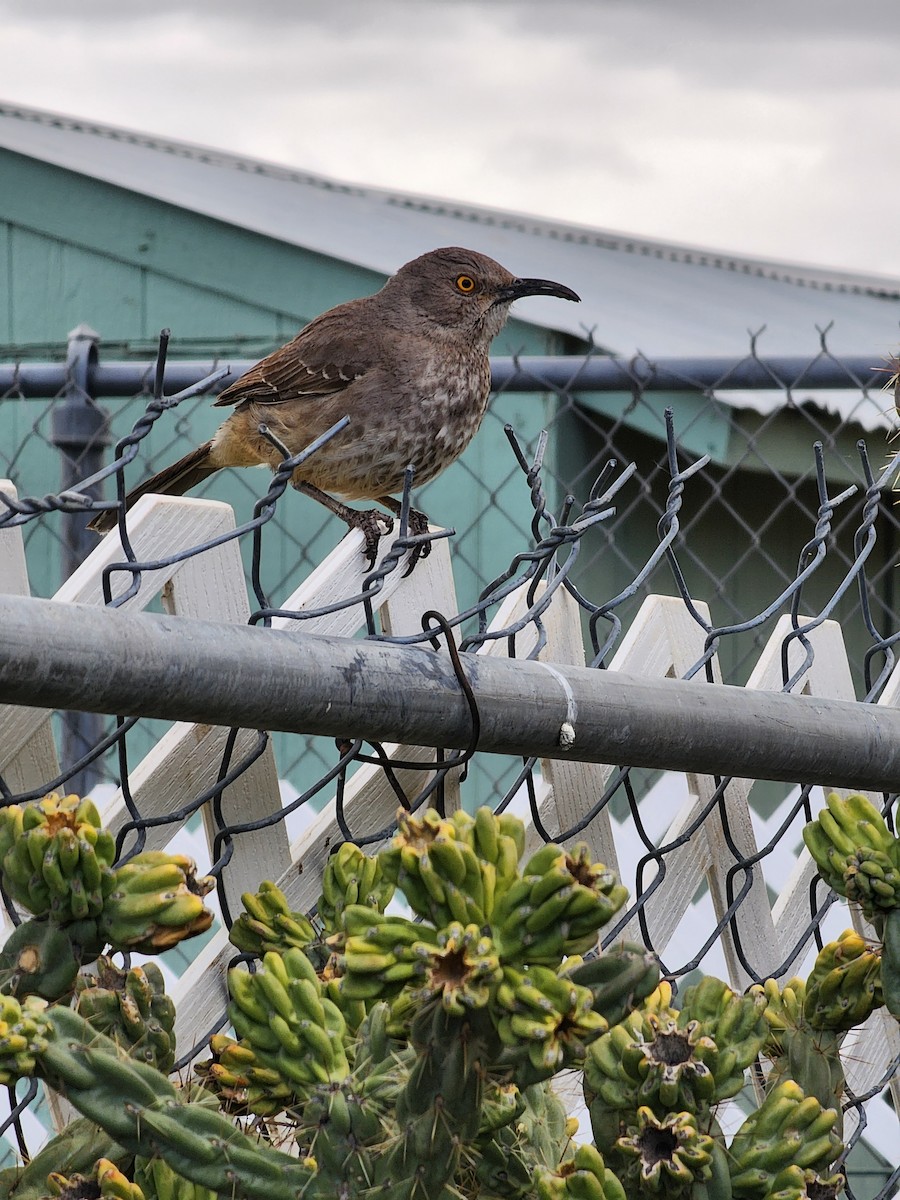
{"x": 578, "y": 373}
{"x": 78, "y": 657}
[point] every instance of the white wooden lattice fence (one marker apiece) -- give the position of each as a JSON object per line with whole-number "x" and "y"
{"x": 662, "y": 641}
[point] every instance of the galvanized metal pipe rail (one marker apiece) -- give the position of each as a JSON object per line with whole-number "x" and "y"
{"x": 599, "y": 373}
{"x": 112, "y": 661}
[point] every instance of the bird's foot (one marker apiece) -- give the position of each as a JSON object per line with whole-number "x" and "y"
{"x": 373, "y": 525}
{"x": 418, "y": 525}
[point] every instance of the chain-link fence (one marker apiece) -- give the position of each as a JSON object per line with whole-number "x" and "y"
{"x": 760, "y": 489}
{"x": 743, "y": 525}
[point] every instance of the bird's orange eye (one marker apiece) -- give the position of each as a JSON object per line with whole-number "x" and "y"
{"x": 465, "y": 283}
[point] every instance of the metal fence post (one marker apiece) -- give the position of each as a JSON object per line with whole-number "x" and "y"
{"x": 79, "y": 430}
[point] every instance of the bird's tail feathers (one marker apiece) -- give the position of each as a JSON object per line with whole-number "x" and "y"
{"x": 173, "y": 480}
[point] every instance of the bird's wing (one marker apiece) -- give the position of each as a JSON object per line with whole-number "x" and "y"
{"x": 322, "y": 360}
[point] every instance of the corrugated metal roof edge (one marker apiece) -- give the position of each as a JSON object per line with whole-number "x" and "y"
{"x": 797, "y": 274}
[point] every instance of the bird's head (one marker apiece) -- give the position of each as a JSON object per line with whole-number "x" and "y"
{"x": 464, "y": 292}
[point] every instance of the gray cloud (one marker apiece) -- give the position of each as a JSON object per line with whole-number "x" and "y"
{"x": 764, "y": 127}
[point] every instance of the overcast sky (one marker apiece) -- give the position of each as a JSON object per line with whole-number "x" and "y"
{"x": 768, "y": 127}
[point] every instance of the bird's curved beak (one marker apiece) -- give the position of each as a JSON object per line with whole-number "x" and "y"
{"x": 534, "y": 287}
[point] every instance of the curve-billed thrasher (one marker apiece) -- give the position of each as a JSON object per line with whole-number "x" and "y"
{"x": 410, "y": 368}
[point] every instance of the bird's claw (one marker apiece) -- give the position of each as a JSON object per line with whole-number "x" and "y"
{"x": 373, "y": 525}
{"x": 418, "y": 524}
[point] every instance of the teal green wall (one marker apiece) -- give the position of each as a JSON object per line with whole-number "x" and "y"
{"x": 75, "y": 249}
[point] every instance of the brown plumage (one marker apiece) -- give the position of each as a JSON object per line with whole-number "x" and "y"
{"x": 409, "y": 366}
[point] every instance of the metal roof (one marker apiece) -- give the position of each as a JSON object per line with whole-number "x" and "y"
{"x": 639, "y": 294}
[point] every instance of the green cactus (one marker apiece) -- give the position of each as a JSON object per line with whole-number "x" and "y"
{"x": 668, "y": 1059}
{"x": 105, "y": 1181}
{"x": 545, "y": 1017}
{"x": 132, "y": 1008}
{"x": 75, "y": 1151}
{"x": 416, "y": 1058}
{"x": 556, "y": 907}
{"x": 500, "y": 1165}
{"x": 798, "y": 1051}
{"x": 735, "y": 1023}
{"x": 158, "y": 1181}
{"x": 141, "y": 1110}
{"x": 501, "y": 1105}
{"x": 351, "y": 877}
{"x": 55, "y": 858}
{"x": 584, "y": 1177}
{"x": 382, "y": 955}
{"x": 438, "y": 1111}
{"x": 856, "y": 853}
{"x": 890, "y": 963}
{"x": 242, "y": 1085}
{"x": 618, "y": 979}
{"x": 56, "y": 861}
{"x": 650, "y": 1059}
{"x": 433, "y": 861}
{"x": 807, "y": 1019}
{"x": 39, "y": 959}
{"x": 859, "y": 857}
{"x": 282, "y": 1015}
{"x": 544, "y": 1125}
{"x": 267, "y": 923}
{"x": 23, "y": 1036}
{"x": 343, "y": 1125}
{"x": 789, "y": 1130}
{"x": 156, "y": 901}
{"x": 669, "y": 1156}
{"x": 785, "y": 1005}
{"x": 798, "y": 1183}
{"x": 524, "y": 1130}
{"x": 844, "y": 986}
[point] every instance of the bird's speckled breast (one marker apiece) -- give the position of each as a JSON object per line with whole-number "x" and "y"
{"x": 428, "y": 422}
